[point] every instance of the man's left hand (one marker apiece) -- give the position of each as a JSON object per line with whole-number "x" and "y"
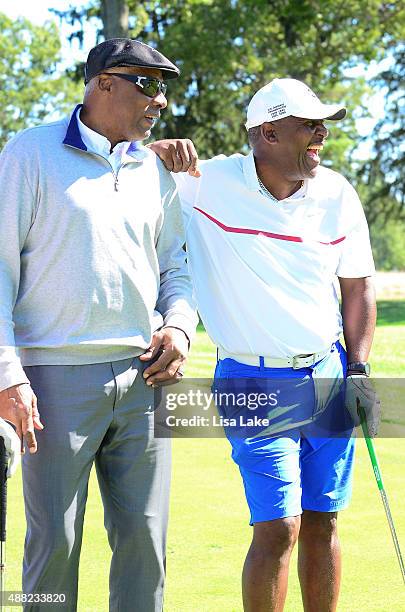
{"x": 171, "y": 345}
{"x": 359, "y": 389}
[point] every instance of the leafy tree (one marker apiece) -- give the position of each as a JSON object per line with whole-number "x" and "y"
{"x": 115, "y": 18}
{"x": 383, "y": 172}
{"x": 229, "y": 48}
{"x": 30, "y": 88}
{"x": 387, "y": 239}
{"x": 226, "y": 50}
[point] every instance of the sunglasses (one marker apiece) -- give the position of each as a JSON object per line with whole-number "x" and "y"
{"x": 150, "y": 86}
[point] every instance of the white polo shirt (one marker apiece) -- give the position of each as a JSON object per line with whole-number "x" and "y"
{"x": 263, "y": 271}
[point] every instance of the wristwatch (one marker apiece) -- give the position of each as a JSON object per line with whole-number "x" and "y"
{"x": 358, "y": 367}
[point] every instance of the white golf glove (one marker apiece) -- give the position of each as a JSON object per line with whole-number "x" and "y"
{"x": 359, "y": 387}
{"x": 13, "y": 446}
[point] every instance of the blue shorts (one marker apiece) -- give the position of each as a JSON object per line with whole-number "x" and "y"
{"x": 295, "y": 452}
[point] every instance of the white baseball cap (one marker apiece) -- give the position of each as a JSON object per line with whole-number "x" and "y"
{"x": 285, "y": 97}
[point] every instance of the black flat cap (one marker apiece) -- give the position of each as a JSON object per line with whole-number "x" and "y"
{"x": 126, "y": 52}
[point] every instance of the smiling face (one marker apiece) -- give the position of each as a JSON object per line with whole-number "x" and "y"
{"x": 131, "y": 114}
{"x": 296, "y": 144}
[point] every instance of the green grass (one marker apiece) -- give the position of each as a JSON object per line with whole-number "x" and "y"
{"x": 209, "y": 532}
{"x": 391, "y": 312}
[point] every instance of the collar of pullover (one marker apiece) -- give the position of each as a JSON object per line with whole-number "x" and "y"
{"x": 74, "y": 138}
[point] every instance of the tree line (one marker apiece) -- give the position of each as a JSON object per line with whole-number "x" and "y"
{"x": 226, "y": 50}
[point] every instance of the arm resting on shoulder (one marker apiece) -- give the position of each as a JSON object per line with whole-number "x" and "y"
{"x": 178, "y": 155}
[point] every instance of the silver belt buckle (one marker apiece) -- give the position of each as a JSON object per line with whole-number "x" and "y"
{"x": 295, "y": 364}
{"x": 307, "y": 360}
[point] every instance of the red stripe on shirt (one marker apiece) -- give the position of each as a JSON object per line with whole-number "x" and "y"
{"x": 335, "y": 241}
{"x": 244, "y": 230}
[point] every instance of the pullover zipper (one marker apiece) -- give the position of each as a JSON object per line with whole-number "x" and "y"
{"x": 115, "y": 174}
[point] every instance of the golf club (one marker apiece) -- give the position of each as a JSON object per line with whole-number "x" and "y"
{"x": 3, "y": 510}
{"x": 378, "y": 477}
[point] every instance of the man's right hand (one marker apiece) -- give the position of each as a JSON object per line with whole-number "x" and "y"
{"x": 18, "y": 405}
{"x": 178, "y": 155}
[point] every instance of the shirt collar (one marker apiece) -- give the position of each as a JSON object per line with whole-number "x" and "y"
{"x": 249, "y": 171}
{"x": 252, "y": 182}
{"x": 82, "y": 137}
{"x": 97, "y": 142}
{"x": 73, "y": 137}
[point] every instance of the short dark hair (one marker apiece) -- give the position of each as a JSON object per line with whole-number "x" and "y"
{"x": 254, "y": 134}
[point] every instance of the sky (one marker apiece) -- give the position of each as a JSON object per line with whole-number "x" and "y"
{"x": 37, "y": 12}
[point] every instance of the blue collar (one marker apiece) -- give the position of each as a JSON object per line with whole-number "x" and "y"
{"x": 74, "y": 139}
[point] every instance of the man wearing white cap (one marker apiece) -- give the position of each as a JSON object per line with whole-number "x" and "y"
{"x": 268, "y": 233}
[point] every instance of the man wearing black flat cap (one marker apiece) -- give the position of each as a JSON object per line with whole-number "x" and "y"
{"x": 94, "y": 285}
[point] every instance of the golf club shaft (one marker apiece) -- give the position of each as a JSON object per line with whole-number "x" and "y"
{"x": 380, "y": 484}
{"x": 2, "y": 572}
{"x": 3, "y": 510}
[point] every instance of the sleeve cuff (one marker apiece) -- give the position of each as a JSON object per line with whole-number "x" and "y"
{"x": 11, "y": 370}
{"x": 185, "y": 324}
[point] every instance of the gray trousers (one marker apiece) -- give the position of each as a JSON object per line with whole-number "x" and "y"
{"x": 102, "y": 414}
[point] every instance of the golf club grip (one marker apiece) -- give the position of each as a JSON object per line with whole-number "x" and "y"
{"x": 3, "y": 489}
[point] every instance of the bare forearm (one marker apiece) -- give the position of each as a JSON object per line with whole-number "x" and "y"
{"x": 359, "y": 314}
